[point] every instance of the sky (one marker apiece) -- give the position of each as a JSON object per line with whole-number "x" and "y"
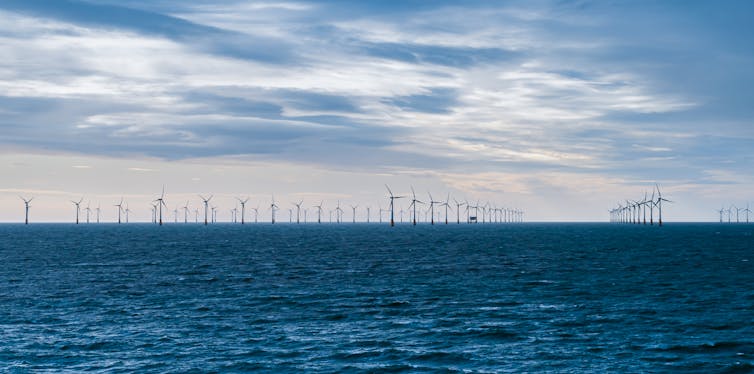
{"x": 560, "y": 108}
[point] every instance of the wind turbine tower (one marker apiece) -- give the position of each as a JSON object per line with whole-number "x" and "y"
{"x": 27, "y": 206}
{"x": 243, "y": 209}
{"x": 78, "y": 208}
{"x": 206, "y": 207}
{"x": 413, "y": 203}
{"x": 392, "y": 205}
{"x": 161, "y": 203}
{"x": 120, "y": 209}
{"x": 432, "y": 203}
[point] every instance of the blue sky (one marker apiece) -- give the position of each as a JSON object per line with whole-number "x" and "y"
{"x": 559, "y": 107}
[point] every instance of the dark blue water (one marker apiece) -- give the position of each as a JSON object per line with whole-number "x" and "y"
{"x": 479, "y": 298}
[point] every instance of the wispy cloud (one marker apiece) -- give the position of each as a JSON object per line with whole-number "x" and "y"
{"x": 475, "y": 87}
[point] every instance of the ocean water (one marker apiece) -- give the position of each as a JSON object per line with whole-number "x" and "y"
{"x": 349, "y": 298}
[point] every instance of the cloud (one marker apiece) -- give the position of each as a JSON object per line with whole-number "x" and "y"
{"x": 479, "y": 87}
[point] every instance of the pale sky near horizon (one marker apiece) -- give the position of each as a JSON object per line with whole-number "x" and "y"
{"x": 560, "y": 108}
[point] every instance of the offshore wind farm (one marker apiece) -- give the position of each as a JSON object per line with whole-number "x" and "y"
{"x": 323, "y": 186}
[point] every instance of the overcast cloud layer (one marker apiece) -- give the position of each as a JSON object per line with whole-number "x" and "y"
{"x": 516, "y": 96}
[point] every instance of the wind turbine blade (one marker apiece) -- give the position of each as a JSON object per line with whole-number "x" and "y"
{"x": 388, "y": 190}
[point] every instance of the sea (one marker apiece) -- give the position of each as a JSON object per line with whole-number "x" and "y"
{"x": 476, "y": 298}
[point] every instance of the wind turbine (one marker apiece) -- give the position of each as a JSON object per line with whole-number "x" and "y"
{"x": 446, "y": 205}
{"x": 214, "y": 214}
{"x": 739, "y": 210}
{"x": 432, "y": 203}
{"x": 243, "y": 209}
{"x": 298, "y": 211}
{"x": 272, "y": 208}
{"x": 27, "y": 206}
{"x": 644, "y": 207}
{"x": 88, "y": 211}
{"x": 120, "y": 208}
{"x": 458, "y": 211}
{"x": 338, "y": 212}
{"x": 78, "y": 208}
{"x": 368, "y": 211}
{"x": 290, "y": 215}
{"x": 206, "y": 207}
{"x": 353, "y": 208}
{"x": 127, "y": 212}
{"x": 161, "y": 202}
{"x": 392, "y": 206}
{"x": 747, "y": 210}
{"x": 721, "y": 213}
{"x": 196, "y": 215}
{"x": 256, "y": 213}
{"x": 185, "y": 212}
{"x": 98, "y": 210}
{"x": 175, "y": 215}
{"x": 660, "y": 199}
{"x": 319, "y": 212}
{"x": 413, "y": 203}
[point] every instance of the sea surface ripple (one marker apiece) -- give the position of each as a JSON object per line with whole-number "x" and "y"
{"x": 350, "y": 298}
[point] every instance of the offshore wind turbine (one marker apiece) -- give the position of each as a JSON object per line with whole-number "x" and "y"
{"x": 413, "y": 203}
{"x": 154, "y": 213}
{"x": 392, "y": 206}
{"x": 432, "y": 203}
{"x": 256, "y": 213}
{"x": 298, "y": 211}
{"x": 644, "y": 207}
{"x": 214, "y": 214}
{"x": 353, "y": 208}
{"x": 120, "y": 208}
{"x": 98, "y": 210}
{"x": 273, "y": 206}
{"x": 368, "y": 211}
{"x": 127, "y": 212}
{"x": 196, "y": 215}
{"x": 26, "y": 206}
{"x": 160, "y": 203}
{"x": 206, "y": 206}
{"x": 721, "y": 211}
{"x": 243, "y": 209}
{"x": 88, "y": 211}
{"x": 738, "y": 210}
{"x": 319, "y": 212}
{"x": 660, "y": 199}
{"x": 78, "y": 208}
{"x": 175, "y": 215}
{"x": 747, "y": 210}
{"x": 446, "y": 205}
{"x": 458, "y": 210}
{"x": 185, "y": 212}
{"x": 338, "y": 211}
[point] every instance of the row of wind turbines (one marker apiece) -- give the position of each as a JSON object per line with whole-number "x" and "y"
{"x": 635, "y": 211}
{"x": 731, "y": 210}
{"x": 473, "y": 212}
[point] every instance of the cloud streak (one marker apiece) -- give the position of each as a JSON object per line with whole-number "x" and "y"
{"x": 479, "y": 87}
